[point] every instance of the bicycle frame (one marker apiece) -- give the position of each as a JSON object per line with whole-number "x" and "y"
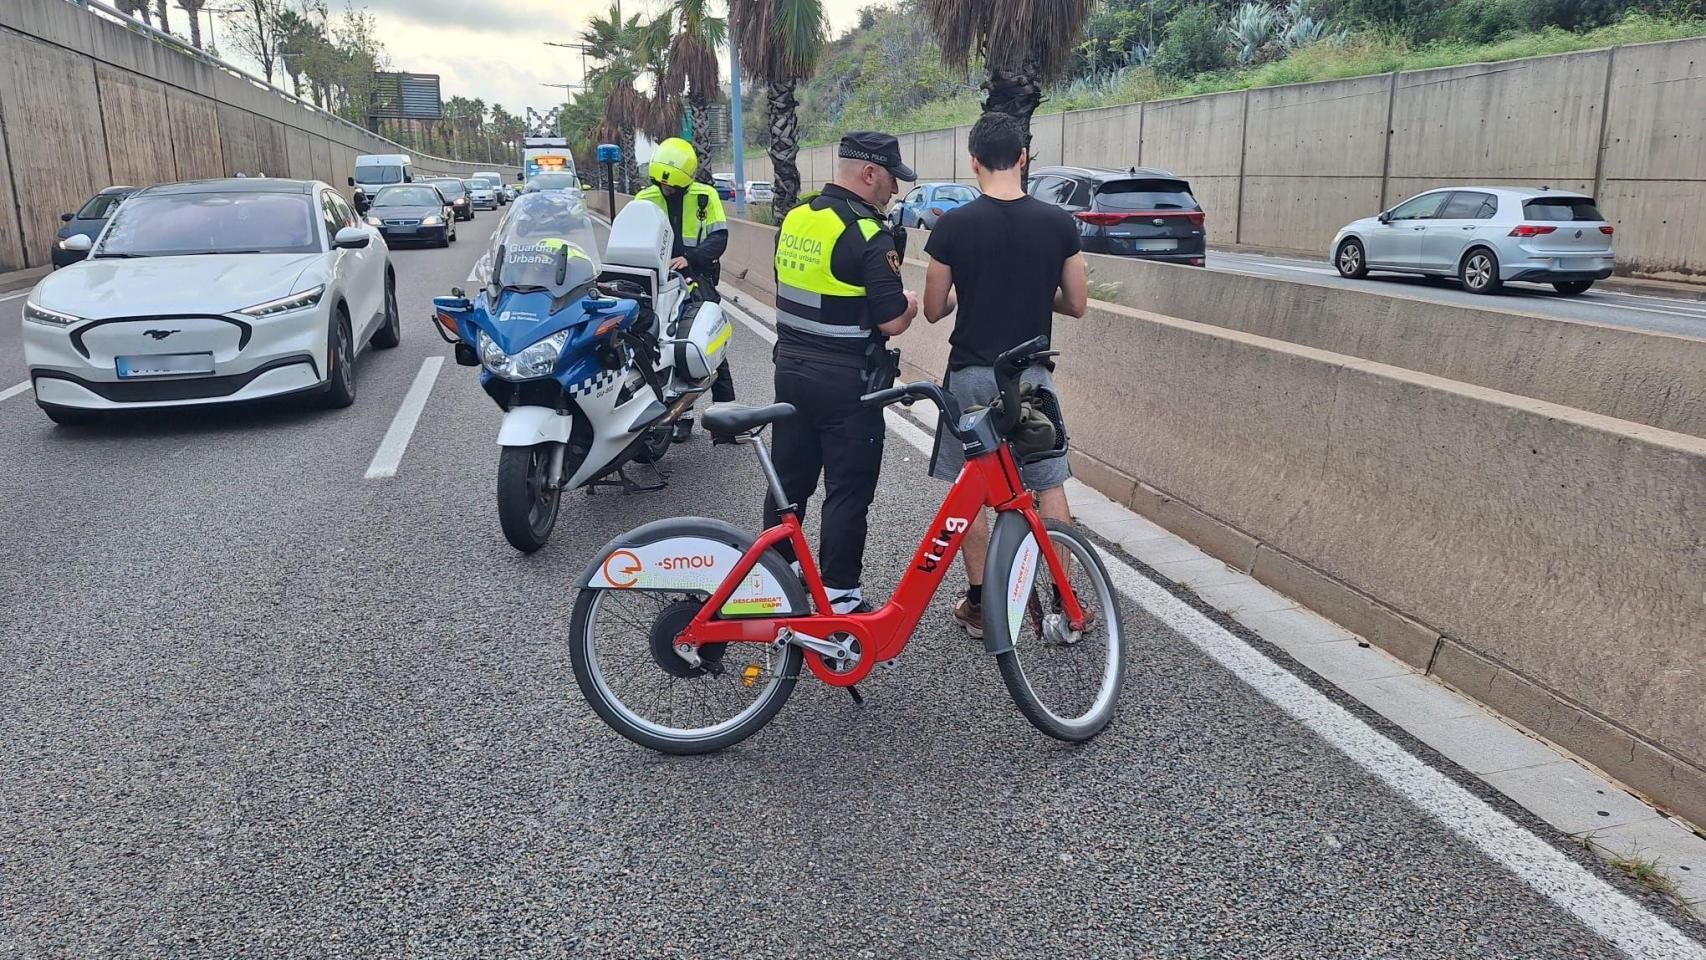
{"x": 988, "y": 480}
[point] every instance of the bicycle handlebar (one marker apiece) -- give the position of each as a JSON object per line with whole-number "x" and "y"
{"x": 1009, "y": 366}
{"x": 883, "y": 398}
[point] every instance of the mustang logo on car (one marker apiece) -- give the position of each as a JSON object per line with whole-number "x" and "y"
{"x": 158, "y": 334}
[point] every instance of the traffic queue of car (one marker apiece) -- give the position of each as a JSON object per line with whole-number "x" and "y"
{"x": 233, "y": 289}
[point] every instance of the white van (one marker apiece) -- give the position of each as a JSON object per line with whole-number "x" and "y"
{"x": 375, "y": 170}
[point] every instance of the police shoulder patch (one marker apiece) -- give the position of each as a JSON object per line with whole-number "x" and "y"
{"x": 894, "y": 262}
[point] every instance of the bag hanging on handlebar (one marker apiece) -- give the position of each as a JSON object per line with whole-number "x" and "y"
{"x": 1041, "y": 432}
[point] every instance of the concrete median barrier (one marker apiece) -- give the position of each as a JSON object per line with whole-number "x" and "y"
{"x": 1649, "y": 378}
{"x": 1653, "y": 379}
{"x": 1545, "y": 559}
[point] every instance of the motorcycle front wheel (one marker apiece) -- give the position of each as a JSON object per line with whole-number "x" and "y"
{"x": 527, "y": 504}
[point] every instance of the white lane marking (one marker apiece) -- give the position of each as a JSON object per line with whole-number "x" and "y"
{"x": 396, "y": 442}
{"x": 11, "y": 392}
{"x": 1600, "y": 906}
{"x": 14, "y": 296}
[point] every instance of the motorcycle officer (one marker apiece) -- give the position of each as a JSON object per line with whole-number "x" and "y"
{"x": 839, "y": 297}
{"x": 696, "y": 215}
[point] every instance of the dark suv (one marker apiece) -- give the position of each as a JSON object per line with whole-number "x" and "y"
{"x": 1135, "y": 212}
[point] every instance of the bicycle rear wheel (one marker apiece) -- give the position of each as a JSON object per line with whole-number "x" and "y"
{"x": 1066, "y": 683}
{"x": 621, "y": 643}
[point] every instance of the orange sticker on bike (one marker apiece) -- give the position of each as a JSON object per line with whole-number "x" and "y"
{"x": 622, "y": 569}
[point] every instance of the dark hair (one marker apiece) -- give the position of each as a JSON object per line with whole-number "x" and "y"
{"x": 996, "y": 140}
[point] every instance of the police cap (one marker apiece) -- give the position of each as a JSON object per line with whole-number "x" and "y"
{"x": 878, "y": 148}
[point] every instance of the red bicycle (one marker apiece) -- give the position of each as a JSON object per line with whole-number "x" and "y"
{"x": 688, "y": 634}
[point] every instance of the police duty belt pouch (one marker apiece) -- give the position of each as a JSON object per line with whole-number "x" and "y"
{"x": 882, "y": 369}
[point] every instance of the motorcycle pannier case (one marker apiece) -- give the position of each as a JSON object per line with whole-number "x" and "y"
{"x": 700, "y": 338}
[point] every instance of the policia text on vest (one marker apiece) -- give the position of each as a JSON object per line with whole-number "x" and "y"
{"x": 838, "y": 298}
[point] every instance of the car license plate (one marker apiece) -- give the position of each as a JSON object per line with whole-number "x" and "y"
{"x": 401, "y": 229}
{"x": 164, "y": 365}
{"x": 1153, "y": 245}
{"x": 1578, "y": 263}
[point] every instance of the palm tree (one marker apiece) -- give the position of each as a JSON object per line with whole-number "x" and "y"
{"x": 294, "y": 35}
{"x": 193, "y": 8}
{"x": 779, "y": 45}
{"x": 621, "y": 47}
{"x": 160, "y": 15}
{"x": 1022, "y": 42}
{"x": 692, "y": 69}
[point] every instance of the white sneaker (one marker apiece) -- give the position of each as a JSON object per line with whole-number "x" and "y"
{"x": 848, "y": 601}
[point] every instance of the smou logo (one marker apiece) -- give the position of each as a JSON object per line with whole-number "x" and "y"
{"x": 694, "y": 562}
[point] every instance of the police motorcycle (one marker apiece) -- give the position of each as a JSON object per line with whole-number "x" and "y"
{"x": 592, "y": 359}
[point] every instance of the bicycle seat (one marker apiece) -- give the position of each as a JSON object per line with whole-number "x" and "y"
{"x": 739, "y": 417}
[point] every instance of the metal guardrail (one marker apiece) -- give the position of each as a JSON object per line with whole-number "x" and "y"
{"x": 178, "y": 45}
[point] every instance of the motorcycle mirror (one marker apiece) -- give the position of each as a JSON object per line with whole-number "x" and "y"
{"x": 458, "y": 292}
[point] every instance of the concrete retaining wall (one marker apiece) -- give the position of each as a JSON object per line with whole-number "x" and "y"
{"x": 1543, "y": 558}
{"x": 86, "y": 103}
{"x": 1283, "y": 168}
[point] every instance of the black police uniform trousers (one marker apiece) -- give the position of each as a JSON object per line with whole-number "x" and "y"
{"x": 835, "y": 435}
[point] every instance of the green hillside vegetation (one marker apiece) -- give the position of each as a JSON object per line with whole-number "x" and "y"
{"x": 887, "y": 72}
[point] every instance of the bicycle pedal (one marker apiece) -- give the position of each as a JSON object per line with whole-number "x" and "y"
{"x": 858, "y": 698}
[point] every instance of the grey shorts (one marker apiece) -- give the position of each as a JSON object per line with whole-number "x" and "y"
{"x": 975, "y": 387}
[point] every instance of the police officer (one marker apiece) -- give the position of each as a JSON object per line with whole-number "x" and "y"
{"x": 839, "y": 297}
{"x": 696, "y": 215}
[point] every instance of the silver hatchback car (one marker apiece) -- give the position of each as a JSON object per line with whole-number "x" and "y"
{"x": 1486, "y": 237}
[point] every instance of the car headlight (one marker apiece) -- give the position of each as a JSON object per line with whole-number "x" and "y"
{"x": 432, "y": 221}
{"x": 52, "y": 318}
{"x": 539, "y": 360}
{"x": 375, "y": 222}
{"x": 296, "y": 301}
{"x": 461, "y": 201}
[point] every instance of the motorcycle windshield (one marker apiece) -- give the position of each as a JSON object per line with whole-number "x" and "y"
{"x": 544, "y": 243}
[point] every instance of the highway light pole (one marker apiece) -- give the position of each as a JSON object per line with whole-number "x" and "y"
{"x": 736, "y": 124}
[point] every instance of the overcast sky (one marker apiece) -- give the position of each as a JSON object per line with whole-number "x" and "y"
{"x": 493, "y": 49}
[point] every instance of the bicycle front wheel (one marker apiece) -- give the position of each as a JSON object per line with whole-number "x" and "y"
{"x": 622, "y": 645}
{"x": 1065, "y": 682}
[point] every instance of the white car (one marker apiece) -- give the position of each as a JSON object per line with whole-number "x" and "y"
{"x": 758, "y": 191}
{"x": 482, "y": 194}
{"x": 1485, "y": 237}
{"x": 211, "y": 292}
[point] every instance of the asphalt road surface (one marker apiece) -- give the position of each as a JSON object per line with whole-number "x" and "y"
{"x": 253, "y": 704}
{"x": 1656, "y": 314}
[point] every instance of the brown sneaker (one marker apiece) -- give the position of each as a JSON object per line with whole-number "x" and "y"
{"x": 970, "y": 616}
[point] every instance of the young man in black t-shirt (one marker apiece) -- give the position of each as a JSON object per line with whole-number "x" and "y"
{"x": 1012, "y": 262}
